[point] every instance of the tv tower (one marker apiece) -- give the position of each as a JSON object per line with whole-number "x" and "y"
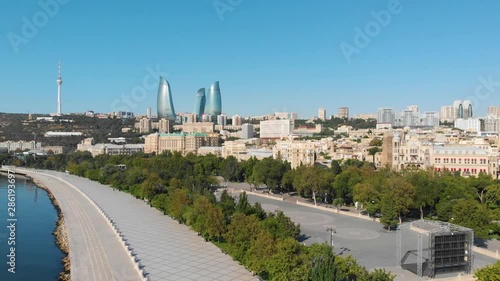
{"x": 59, "y": 82}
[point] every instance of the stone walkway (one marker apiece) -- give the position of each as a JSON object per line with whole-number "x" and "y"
{"x": 96, "y": 253}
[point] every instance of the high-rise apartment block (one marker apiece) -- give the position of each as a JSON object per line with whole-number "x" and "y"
{"x": 276, "y": 129}
{"x": 164, "y": 126}
{"x": 247, "y": 131}
{"x": 386, "y": 116}
{"x": 343, "y": 112}
{"x": 494, "y": 111}
{"x": 322, "y": 113}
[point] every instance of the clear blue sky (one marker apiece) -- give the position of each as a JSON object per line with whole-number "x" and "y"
{"x": 269, "y": 55}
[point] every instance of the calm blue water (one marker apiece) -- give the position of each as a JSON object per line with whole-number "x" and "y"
{"x": 37, "y": 255}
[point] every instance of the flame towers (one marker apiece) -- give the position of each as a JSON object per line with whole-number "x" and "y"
{"x": 199, "y": 107}
{"x": 214, "y": 100}
{"x": 165, "y": 103}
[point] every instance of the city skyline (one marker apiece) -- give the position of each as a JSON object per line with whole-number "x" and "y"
{"x": 404, "y": 62}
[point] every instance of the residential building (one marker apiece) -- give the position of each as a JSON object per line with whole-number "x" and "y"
{"x": 247, "y": 131}
{"x": 322, "y": 114}
{"x": 181, "y": 142}
{"x": 470, "y": 124}
{"x": 237, "y": 120}
{"x": 494, "y": 111}
{"x": 145, "y": 126}
{"x": 108, "y": 148}
{"x": 198, "y": 127}
{"x": 164, "y": 126}
{"x": 386, "y": 116}
{"x": 344, "y": 112}
{"x": 275, "y": 129}
{"x": 295, "y": 152}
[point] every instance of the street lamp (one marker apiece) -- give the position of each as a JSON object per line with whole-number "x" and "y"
{"x": 332, "y": 231}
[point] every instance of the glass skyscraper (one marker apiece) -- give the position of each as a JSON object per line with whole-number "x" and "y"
{"x": 214, "y": 100}
{"x": 165, "y": 103}
{"x": 199, "y": 107}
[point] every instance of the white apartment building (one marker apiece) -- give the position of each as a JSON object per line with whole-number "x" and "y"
{"x": 276, "y": 129}
{"x": 295, "y": 152}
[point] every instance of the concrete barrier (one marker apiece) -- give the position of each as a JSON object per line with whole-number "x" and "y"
{"x": 331, "y": 210}
{"x": 265, "y": 195}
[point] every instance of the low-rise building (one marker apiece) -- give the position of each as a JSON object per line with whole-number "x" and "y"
{"x": 295, "y": 152}
{"x": 181, "y": 142}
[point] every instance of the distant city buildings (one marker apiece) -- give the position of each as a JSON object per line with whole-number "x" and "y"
{"x": 458, "y": 110}
{"x": 180, "y": 142}
{"x": 247, "y": 131}
{"x": 213, "y": 105}
{"x": 365, "y": 116}
{"x": 295, "y": 152}
{"x": 494, "y": 111}
{"x": 144, "y": 125}
{"x": 276, "y": 129}
{"x": 108, "y": 148}
{"x": 386, "y": 116}
{"x": 322, "y": 114}
{"x": 165, "y": 103}
{"x": 200, "y": 103}
{"x": 12, "y": 146}
{"x": 164, "y": 126}
{"x": 198, "y": 127}
{"x": 237, "y": 120}
{"x": 343, "y": 112}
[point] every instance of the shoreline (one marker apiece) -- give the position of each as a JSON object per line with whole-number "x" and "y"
{"x": 59, "y": 233}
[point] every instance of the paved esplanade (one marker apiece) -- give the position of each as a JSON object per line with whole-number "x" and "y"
{"x": 96, "y": 253}
{"x": 167, "y": 250}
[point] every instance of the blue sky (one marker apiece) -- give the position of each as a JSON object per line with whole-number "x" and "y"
{"x": 278, "y": 55}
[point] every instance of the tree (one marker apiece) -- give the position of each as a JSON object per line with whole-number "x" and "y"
{"x": 493, "y": 194}
{"x": 324, "y": 268}
{"x": 372, "y": 151}
{"x": 336, "y": 167}
{"x": 281, "y": 226}
{"x": 337, "y": 203}
{"x": 289, "y": 262}
{"x": 227, "y": 204}
{"x": 230, "y": 170}
{"x": 243, "y": 207}
{"x": 400, "y": 194}
{"x": 426, "y": 192}
{"x": 240, "y": 233}
{"x": 471, "y": 214}
{"x": 488, "y": 273}
{"x": 480, "y": 183}
{"x": 376, "y": 142}
{"x": 177, "y": 203}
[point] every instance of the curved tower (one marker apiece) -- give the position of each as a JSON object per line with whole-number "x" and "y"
{"x": 165, "y": 104}
{"x": 460, "y": 113}
{"x": 467, "y": 106}
{"x": 199, "y": 107}
{"x": 214, "y": 100}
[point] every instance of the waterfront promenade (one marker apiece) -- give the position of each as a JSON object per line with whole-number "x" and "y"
{"x": 165, "y": 249}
